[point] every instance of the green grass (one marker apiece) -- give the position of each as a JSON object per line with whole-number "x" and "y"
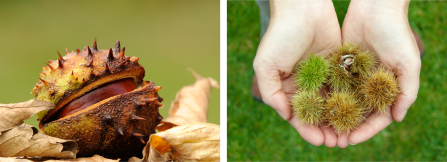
{"x": 256, "y": 132}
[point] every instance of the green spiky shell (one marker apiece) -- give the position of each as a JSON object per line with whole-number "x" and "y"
{"x": 364, "y": 62}
{"x": 344, "y": 111}
{"x": 312, "y": 73}
{"x": 78, "y": 72}
{"x": 308, "y": 107}
{"x": 380, "y": 89}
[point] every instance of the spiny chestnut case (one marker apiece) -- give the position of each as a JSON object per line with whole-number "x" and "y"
{"x": 116, "y": 127}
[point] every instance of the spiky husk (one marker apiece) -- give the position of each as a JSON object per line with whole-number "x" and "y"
{"x": 344, "y": 111}
{"x": 341, "y": 77}
{"x": 79, "y": 72}
{"x": 312, "y": 73}
{"x": 308, "y": 107}
{"x": 380, "y": 89}
{"x": 116, "y": 127}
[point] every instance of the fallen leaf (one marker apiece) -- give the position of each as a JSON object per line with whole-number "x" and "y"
{"x": 13, "y": 159}
{"x": 160, "y": 144}
{"x": 134, "y": 159}
{"x": 192, "y": 142}
{"x": 164, "y": 126}
{"x": 191, "y": 102}
{"x": 12, "y": 115}
{"x": 25, "y": 140}
{"x": 94, "y": 158}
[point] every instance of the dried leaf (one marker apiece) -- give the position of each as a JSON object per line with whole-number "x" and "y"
{"x": 12, "y": 115}
{"x": 160, "y": 144}
{"x": 13, "y": 159}
{"x": 25, "y": 140}
{"x": 192, "y": 142}
{"x": 165, "y": 126}
{"x": 94, "y": 158}
{"x": 134, "y": 159}
{"x": 191, "y": 102}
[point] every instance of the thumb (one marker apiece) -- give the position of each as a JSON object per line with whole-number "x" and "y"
{"x": 408, "y": 79}
{"x": 270, "y": 86}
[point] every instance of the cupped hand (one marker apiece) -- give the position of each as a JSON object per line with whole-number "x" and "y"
{"x": 296, "y": 29}
{"x": 382, "y": 27}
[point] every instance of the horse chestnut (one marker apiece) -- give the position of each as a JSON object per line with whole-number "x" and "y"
{"x": 101, "y": 102}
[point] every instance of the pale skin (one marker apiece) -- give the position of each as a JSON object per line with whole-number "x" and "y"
{"x": 298, "y": 28}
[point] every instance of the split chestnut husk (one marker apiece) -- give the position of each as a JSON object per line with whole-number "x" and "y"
{"x": 101, "y": 102}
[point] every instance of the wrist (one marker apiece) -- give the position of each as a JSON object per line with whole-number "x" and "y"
{"x": 385, "y": 3}
{"x": 371, "y": 12}
{"x": 288, "y": 8}
{"x": 399, "y": 7}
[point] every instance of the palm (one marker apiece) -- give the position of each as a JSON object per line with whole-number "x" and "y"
{"x": 384, "y": 31}
{"x": 291, "y": 36}
{"x": 293, "y": 39}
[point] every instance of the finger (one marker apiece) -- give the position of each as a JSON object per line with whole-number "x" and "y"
{"x": 288, "y": 84}
{"x": 342, "y": 141}
{"x": 270, "y": 86}
{"x": 280, "y": 102}
{"x": 373, "y": 125}
{"x": 408, "y": 80}
{"x": 288, "y": 87}
{"x": 330, "y": 138}
{"x": 310, "y": 133}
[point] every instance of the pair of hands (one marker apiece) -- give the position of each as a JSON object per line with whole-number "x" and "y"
{"x": 298, "y": 28}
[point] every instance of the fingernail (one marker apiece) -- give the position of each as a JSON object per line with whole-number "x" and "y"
{"x": 402, "y": 115}
{"x": 351, "y": 143}
{"x": 280, "y": 114}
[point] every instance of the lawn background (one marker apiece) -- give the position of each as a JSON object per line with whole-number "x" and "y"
{"x": 167, "y": 36}
{"x": 256, "y": 132}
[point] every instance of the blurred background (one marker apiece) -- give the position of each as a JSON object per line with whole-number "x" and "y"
{"x": 257, "y": 132}
{"x": 167, "y": 35}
